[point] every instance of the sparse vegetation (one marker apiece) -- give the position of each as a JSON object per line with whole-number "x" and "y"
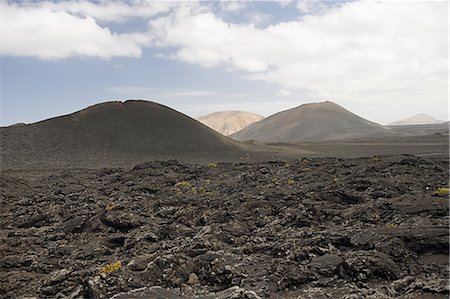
{"x": 217, "y": 224}
{"x": 391, "y": 225}
{"x": 110, "y": 206}
{"x": 112, "y": 267}
{"x": 185, "y": 187}
{"x": 442, "y": 191}
{"x": 183, "y": 184}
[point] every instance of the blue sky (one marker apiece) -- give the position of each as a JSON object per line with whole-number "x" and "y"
{"x": 382, "y": 60}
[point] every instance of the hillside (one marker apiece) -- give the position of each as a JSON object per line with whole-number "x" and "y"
{"x": 418, "y": 119}
{"x": 229, "y": 122}
{"x": 111, "y": 133}
{"x": 312, "y": 122}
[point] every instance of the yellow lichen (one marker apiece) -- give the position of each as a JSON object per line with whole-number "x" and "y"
{"x": 391, "y": 225}
{"x": 442, "y": 191}
{"x": 110, "y": 206}
{"x": 183, "y": 184}
{"x": 112, "y": 267}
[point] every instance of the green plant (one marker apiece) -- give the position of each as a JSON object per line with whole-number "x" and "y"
{"x": 290, "y": 182}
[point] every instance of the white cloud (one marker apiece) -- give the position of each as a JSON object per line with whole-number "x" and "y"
{"x": 311, "y": 6}
{"x": 378, "y": 52}
{"x": 382, "y": 53}
{"x": 285, "y": 3}
{"x": 39, "y": 31}
{"x": 232, "y": 6}
{"x": 109, "y": 11}
{"x": 284, "y": 92}
{"x": 207, "y": 40}
{"x": 257, "y": 18}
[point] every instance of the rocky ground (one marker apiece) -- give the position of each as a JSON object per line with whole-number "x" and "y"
{"x": 309, "y": 228}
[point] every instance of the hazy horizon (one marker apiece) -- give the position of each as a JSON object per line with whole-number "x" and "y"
{"x": 192, "y": 116}
{"x": 384, "y": 61}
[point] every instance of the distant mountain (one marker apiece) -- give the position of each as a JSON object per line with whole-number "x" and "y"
{"x": 311, "y": 122}
{"x": 229, "y": 122}
{"x": 421, "y": 130}
{"x": 111, "y": 133}
{"x": 418, "y": 119}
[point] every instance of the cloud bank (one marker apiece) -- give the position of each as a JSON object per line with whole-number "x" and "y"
{"x": 57, "y": 30}
{"x": 354, "y": 52}
{"x": 360, "y": 49}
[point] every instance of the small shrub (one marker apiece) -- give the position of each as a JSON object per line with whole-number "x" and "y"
{"x": 291, "y": 182}
{"x": 209, "y": 193}
{"x": 110, "y": 206}
{"x": 391, "y": 225}
{"x": 112, "y": 267}
{"x": 442, "y": 191}
{"x": 212, "y": 165}
{"x": 183, "y": 184}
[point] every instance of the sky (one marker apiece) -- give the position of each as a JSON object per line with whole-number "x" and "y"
{"x": 383, "y": 60}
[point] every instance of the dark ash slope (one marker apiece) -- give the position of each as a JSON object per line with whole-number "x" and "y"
{"x": 111, "y": 133}
{"x": 312, "y": 122}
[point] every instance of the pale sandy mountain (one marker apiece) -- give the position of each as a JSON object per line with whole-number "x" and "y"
{"x": 312, "y": 122}
{"x": 418, "y": 119}
{"x": 229, "y": 122}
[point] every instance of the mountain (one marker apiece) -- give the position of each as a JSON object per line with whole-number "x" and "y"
{"x": 418, "y": 119}
{"x": 421, "y": 130}
{"x": 311, "y": 122}
{"x": 229, "y": 122}
{"x": 112, "y": 133}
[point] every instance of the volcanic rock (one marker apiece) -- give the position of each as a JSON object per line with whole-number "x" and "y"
{"x": 111, "y": 133}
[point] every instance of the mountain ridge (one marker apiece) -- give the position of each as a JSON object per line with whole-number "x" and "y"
{"x": 311, "y": 122}
{"x": 417, "y": 119}
{"x": 134, "y": 130}
{"x": 229, "y": 122}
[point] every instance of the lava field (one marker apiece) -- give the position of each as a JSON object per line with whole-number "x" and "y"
{"x": 373, "y": 227}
